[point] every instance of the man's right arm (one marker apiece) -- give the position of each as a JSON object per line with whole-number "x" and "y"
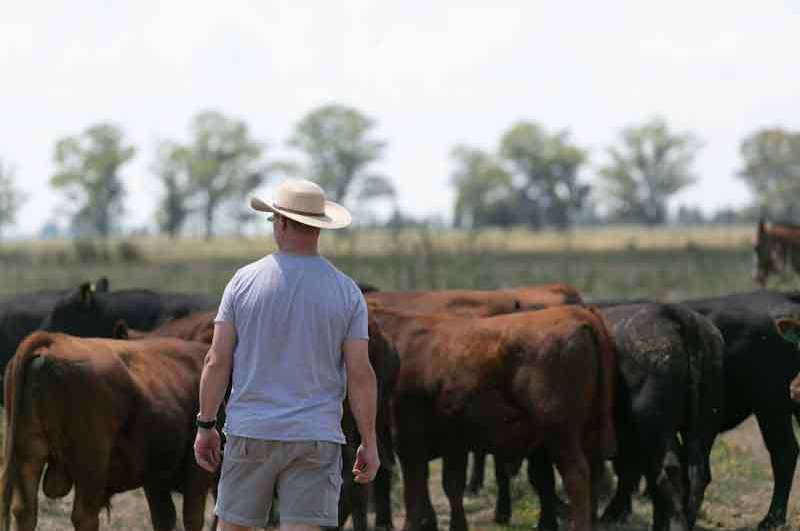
{"x": 362, "y": 393}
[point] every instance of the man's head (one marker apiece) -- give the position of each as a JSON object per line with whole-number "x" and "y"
{"x": 299, "y": 211}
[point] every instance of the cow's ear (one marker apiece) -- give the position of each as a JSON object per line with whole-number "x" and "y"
{"x": 789, "y": 329}
{"x": 87, "y": 294}
{"x": 120, "y": 330}
{"x": 101, "y": 286}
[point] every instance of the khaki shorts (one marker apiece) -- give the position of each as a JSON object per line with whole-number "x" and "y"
{"x": 307, "y": 474}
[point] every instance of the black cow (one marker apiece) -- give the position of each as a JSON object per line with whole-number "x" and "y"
{"x": 759, "y": 366}
{"x": 21, "y": 314}
{"x": 87, "y": 313}
{"x": 671, "y": 382}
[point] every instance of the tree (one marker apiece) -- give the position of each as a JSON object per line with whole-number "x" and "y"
{"x": 772, "y": 170}
{"x": 651, "y": 165}
{"x": 88, "y": 171}
{"x": 172, "y": 169}
{"x": 223, "y": 163}
{"x": 483, "y": 187}
{"x": 547, "y": 166}
{"x": 336, "y": 141}
{"x": 10, "y": 197}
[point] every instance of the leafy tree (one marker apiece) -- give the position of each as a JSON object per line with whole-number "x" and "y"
{"x": 172, "y": 169}
{"x": 547, "y": 166}
{"x": 222, "y": 163}
{"x": 10, "y": 197}
{"x": 336, "y": 141}
{"x": 483, "y": 187}
{"x": 88, "y": 172}
{"x": 652, "y": 164}
{"x": 772, "y": 170}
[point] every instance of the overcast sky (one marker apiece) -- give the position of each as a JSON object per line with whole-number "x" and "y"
{"x": 432, "y": 74}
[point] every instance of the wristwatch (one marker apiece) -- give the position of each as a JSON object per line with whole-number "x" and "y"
{"x": 206, "y": 424}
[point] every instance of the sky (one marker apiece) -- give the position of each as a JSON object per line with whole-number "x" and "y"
{"x": 431, "y": 74}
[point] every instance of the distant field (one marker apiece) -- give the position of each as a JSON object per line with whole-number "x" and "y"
{"x": 666, "y": 264}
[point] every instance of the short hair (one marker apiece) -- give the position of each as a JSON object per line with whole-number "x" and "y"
{"x": 300, "y": 227}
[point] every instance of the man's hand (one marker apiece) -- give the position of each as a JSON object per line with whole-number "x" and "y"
{"x": 207, "y": 449}
{"x": 367, "y": 464}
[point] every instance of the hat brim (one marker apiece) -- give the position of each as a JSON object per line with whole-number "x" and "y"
{"x": 335, "y": 216}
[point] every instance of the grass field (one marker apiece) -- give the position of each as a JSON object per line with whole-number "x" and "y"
{"x": 667, "y": 264}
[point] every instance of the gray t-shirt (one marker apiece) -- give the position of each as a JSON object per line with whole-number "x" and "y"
{"x": 292, "y": 313}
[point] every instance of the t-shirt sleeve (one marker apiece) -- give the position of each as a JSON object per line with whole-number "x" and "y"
{"x": 226, "y": 312}
{"x": 359, "y": 326}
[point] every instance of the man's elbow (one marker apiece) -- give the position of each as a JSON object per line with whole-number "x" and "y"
{"x": 214, "y": 362}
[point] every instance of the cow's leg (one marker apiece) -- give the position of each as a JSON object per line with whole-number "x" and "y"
{"x": 628, "y": 467}
{"x": 543, "y": 480}
{"x": 574, "y": 468}
{"x": 454, "y": 480}
{"x": 663, "y": 470}
{"x": 477, "y": 473}
{"x": 382, "y": 489}
{"x": 420, "y": 515}
{"x": 89, "y": 501}
{"x": 195, "y": 493}
{"x": 25, "y": 497}
{"x": 776, "y": 429}
{"x": 162, "y": 508}
{"x": 502, "y": 508}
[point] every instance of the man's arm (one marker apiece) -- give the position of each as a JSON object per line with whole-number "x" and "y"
{"x": 217, "y": 369}
{"x": 362, "y": 393}
{"x": 213, "y": 383}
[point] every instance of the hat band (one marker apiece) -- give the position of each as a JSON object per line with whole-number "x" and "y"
{"x": 301, "y": 212}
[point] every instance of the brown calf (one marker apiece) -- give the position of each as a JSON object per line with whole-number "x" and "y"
{"x": 478, "y": 303}
{"x": 505, "y": 384}
{"x": 106, "y": 416}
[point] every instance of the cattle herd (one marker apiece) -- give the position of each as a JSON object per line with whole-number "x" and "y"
{"x": 100, "y": 391}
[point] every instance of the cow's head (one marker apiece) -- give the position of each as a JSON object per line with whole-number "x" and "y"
{"x": 789, "y": 329}
{"x": 81, "y": 312}
{"x": 768, "y": 254}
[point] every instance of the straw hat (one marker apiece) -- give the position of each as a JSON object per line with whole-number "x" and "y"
{"x": 304, "y": 202}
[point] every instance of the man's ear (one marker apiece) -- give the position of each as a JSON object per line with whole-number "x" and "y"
{"x": 789, "y": 329}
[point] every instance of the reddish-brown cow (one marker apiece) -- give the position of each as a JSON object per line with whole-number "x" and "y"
{"x": 106, "y": 416}
{"x": 478, "y": 303}
{"x": 776, "y": 244}
{"x": 506, "y": 384}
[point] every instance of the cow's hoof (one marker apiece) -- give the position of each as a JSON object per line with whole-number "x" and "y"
{"x": 383, "y": 528}
{"x": 771, "y": 522}
{"x": 502, "y": 518}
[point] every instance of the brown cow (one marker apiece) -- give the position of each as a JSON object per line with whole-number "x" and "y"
{"x": 506, "y": 384}
{"x": 478, "y": 303}
{"x": 106, "y": 416}
{"x": 385, "y": 363}
{"x": 776, "y": 243}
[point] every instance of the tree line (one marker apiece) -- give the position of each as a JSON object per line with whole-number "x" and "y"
{"x": 534, "y": 178}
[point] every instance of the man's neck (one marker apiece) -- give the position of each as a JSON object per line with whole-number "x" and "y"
{"x": 298, "y": 248}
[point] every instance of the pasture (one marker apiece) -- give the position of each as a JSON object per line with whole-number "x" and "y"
{"x": 666, "y": 264}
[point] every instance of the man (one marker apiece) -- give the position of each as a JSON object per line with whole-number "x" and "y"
{"x": 291, "y": 332}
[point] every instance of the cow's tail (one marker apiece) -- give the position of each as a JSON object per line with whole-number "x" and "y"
{"x": 700, "y": 429}
{"x": 607, "y": 381}
{"x": 15, "y": 375}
